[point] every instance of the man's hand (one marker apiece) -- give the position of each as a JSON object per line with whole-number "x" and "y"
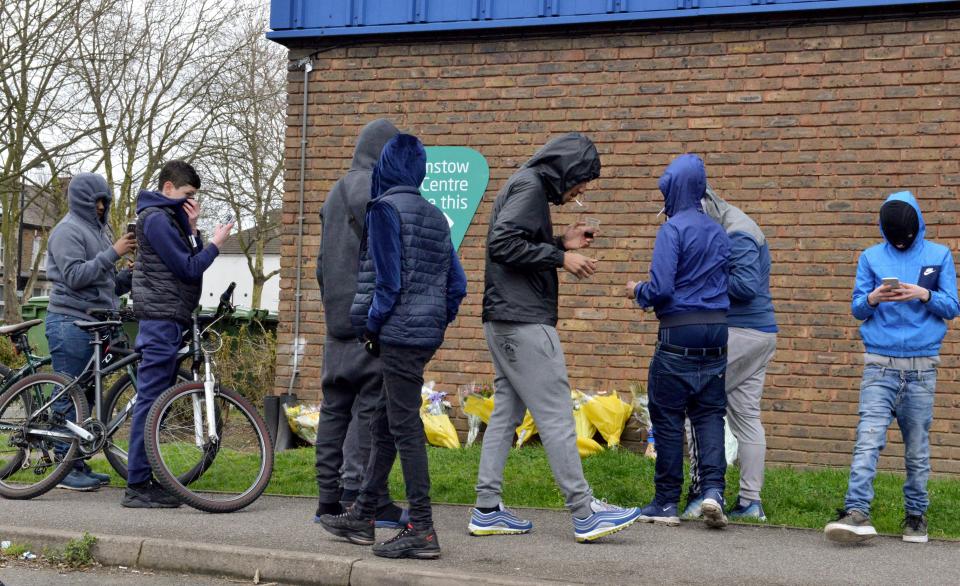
{"x": 371, "y": 343}
{"x": 575, "y": 237}
{"x": 578, "y": 265}
{"x": 630, "y": 289}
{"x": 221, "y": 234}
{"x": 192, "y": 208}
{"x": 124, "y": 244}
{"x": 909, "y": 292}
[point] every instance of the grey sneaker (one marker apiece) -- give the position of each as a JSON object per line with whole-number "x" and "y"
{"x": 851, "y": 526}
{"x": 915, "y": 528}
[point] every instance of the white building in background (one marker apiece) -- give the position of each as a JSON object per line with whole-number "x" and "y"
{"x": 231, "y": 265}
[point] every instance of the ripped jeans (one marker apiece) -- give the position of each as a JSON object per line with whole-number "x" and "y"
{"x": 885, "y": 394}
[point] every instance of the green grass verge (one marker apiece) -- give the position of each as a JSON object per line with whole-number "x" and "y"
{"x": 798, "y": 498}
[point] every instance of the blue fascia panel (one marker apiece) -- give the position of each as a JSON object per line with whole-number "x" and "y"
{"x": 287, "y": 9}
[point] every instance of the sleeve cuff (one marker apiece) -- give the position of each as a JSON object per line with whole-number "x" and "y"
{"x": 108, "y": 257}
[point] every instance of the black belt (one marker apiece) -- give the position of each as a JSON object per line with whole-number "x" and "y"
{"x": 680, "y": 350}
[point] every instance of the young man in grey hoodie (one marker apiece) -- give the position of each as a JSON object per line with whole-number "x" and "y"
{"x": 751, "y": 343}
{"x": 81, "y": 265}
{"x": 350, "y": 377}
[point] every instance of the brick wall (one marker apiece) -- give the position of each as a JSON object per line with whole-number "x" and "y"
{"x": 806, "y": 126}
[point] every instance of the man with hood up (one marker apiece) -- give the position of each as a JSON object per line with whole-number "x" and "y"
{"x": 351, "y": 378}
{"x": 519, "y": 322}
{"x": 752, "y": 341}
{"x": 81, "y": 265}
{"x": 904, "y": 322}
{"x": 167, "y": 282}
{"x": 688, "y": 291}
{"x": 409, "y": 288}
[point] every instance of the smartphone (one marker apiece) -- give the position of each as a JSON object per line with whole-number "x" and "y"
{"x": 227, "y": 219}
{"x": 131, "y": 228}
{"x": 891, "y": 282}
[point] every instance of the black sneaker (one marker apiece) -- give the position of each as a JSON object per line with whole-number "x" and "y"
{"x": 350, "y": 526}
{"x": 148, "y": 495}
{"x": 851, "y": 526}
{"x": 410, "y": 543}
{"x": 915, "y": 529}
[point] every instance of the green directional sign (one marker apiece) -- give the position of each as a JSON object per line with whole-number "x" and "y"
{"x": 455, "y": 182}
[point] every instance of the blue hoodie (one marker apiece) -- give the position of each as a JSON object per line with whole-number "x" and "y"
{"x": 907, "y": 328}
{"x": 688, "y": 273}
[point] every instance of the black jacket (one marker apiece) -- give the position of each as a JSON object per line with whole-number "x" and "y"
{"x": 342, "y": 218}
{"x": 523, "y": 255}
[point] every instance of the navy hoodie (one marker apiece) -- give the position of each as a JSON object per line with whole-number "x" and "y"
{"x": 171, "y": 259}
{"x": 401, "y": 166}
{"x": 688, "y": 274}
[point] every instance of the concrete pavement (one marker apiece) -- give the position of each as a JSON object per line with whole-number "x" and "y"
{"x": 277, "y": 536}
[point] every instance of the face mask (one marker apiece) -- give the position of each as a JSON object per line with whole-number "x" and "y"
{"x": 900, "y": 224}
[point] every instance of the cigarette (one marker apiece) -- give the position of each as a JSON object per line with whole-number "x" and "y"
{"x": 576, "y": 199}
{"x": 661, "y": 211}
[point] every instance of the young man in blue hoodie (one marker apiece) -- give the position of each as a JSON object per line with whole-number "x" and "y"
{"x": 167, "y": 281}
{"x": 81, "y": 266}
{"x": 688, "y": 290}
{"x": 906, "y": 290}
{"x": 410, "y": 285}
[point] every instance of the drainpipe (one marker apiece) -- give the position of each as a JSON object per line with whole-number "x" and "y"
{"x": 283, "y": 437}
{"x": 307, "y": 65}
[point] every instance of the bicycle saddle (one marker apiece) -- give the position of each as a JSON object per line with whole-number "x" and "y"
{"x": 20, "y": 327}
{"x": 97, "y": 325}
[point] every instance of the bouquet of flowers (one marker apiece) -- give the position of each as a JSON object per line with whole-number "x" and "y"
{"x": 476, "y": 400}
{"x": 434, "y": 412}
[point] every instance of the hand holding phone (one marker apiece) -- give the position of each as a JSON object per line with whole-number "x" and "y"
{"x": 131, "y": 227}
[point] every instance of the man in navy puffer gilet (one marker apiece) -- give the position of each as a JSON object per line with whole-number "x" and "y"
{"x": 409, "y": 287}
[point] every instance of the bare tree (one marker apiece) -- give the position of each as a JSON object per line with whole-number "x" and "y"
{"x": 147, "y": 68}
{"x": 243, "y": 152}
{"x": 36, "y": 45}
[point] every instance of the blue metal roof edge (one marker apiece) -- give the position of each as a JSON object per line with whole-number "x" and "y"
{"x": 472, "y": 25}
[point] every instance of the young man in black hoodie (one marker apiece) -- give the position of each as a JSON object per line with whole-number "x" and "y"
{"x": 167, "y": 281}
{"x": 519, "y": 322}
{"x": 351, "y": 377}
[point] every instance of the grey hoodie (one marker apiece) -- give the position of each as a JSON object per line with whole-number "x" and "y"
{"x": 80, "y": 254}
{"x": 342, "y": 216}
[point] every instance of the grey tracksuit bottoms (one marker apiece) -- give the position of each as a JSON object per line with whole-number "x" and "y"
{"x": 531, "y": 374}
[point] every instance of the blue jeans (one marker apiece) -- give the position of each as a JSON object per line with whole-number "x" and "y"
{"x": 157, "y": 342}
{"x": 886, "y": 393}
{"x": 688, "y": 386}
{"x": 70, "y": 351}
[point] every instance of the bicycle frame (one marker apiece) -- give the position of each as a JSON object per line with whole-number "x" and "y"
{"x": 33, "y": 365}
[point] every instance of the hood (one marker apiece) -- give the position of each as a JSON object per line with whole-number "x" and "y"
{"x": 683, "y": 184}
{"x": 732, "y": 218}
{"x": 564, "y": 162}
{"x": 402, "y": 162}
{"x": 82, "y": 194}
{"x": 370, "y": 143}
{"x": 155, "y": 199}
{"x": 908, "y": 198}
